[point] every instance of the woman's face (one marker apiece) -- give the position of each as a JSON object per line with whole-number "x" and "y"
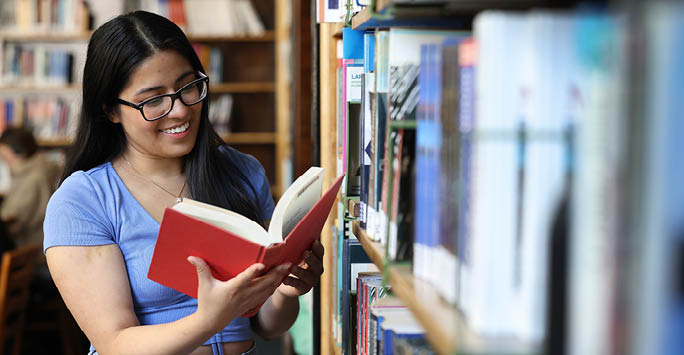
{"x": 174, "y": 135}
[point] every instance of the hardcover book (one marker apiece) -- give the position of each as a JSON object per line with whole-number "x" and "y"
{"x": 230, "y": 242}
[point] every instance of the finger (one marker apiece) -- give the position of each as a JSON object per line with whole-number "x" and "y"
{"x": 314, "y": 263}
{"x": 249, "y": 274}
{"x": 318, "y": 249}
{"x": 297, "y": 283}
{"x": 203, "y": 270}
{"x": 305, "y": 275}
{"x": 273, "y": 278}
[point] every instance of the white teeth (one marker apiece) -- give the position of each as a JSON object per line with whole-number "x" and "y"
{"x": 179, "y": 129}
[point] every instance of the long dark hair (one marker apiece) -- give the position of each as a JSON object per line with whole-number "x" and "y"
{"x": 115, "y": 50}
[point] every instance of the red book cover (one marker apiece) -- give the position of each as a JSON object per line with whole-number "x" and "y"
{"x": 227, "y": 254}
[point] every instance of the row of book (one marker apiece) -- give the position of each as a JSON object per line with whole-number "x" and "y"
{"x": 210, "y": 17}
{"x": 220, "y": 112}
{"x": 383, "y": 324}
{"x": 43, "y": 16}
{"x": 424, "y": 150}
{"x": 212, "y": 60}
{"x": 507, "y": 165}
{"x": 47, "y": 116}
{"x": 39, "y": 65}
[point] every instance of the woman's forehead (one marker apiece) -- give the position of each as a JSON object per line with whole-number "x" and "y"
{"x": 161, "y": 68}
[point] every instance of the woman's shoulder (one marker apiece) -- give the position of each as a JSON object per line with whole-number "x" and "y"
{"x": 82, "y": 184}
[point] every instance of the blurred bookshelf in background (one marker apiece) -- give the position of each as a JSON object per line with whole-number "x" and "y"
{"x": 43, "y": 47}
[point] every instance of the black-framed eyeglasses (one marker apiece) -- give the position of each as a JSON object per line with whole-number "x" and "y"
{"x": 157, "y": 107}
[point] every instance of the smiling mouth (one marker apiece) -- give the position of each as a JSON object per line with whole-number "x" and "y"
{"x": 180, "y": 129}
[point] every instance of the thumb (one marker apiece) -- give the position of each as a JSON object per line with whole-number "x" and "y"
{"x": 203, "y": 270}
{"x": 249, "y": 273}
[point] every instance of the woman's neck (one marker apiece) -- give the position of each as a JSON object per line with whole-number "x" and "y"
{"x": 152, "y": 166}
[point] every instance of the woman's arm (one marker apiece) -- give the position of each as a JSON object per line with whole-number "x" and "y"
{"x": 94, "y": 285}
{"x": 280, "y": 311}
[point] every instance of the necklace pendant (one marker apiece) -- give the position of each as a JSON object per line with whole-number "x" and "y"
{"x": 179, "y": 199}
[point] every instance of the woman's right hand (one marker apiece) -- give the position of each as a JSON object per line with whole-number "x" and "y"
{"x": 219, "y": 302}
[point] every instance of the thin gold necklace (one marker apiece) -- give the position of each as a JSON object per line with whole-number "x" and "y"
{"x": 178, "y": 197}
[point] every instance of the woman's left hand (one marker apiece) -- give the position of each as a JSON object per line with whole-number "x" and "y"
{"x": 305, "y": 275}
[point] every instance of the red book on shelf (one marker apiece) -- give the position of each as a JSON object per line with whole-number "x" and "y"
{"x": 230, "y": 243}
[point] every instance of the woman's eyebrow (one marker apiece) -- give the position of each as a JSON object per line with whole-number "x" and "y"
{"x": 180, "y": 78}
{"x": 184, "y": 75}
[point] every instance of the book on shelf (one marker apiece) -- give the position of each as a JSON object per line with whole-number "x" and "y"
{"x": 44, "y": 17}
{"x": 369, "y": 288}
{"x": 30, "y": 65}
{"x": 379, "y": 310}
{"x": 228, "y": 18}
{"x": 467, "y": 62}
{"x": 355, "y": 262}
{"x": 378, "y": 103}
{"x": 47, "y": 116}
{"x": 367, "y": 87}
{"x": 220, "y": 113}
{"x": 351, "y": 65}
{"x": 402, "y": 334}
{"x": 404, "y": 89}
{"x": 230, "y": 242}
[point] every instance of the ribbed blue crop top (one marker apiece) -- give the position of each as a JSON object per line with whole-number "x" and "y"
{"x": 95, "y": 208}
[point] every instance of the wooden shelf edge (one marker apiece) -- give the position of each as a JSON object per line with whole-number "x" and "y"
{"x": 375, "y": 250}
{"x": 39, "y": 89}
{"x": 255, "y": 87}
{"x": 45, "y": 36}
{"x": 54, "y": 142}
{"x": 249, "y": 137}
{"x": 361, "y": 17}
{"x": 268, "y": 36}
{"x": 445, "y": 327}
{"x": 438, "y": 319}
{"x": 337, "y": 350}
{"x": 337, "y": 31}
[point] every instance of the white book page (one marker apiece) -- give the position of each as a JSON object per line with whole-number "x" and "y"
{"x": 297, "y": 200}
{"x": 225, "y": 219}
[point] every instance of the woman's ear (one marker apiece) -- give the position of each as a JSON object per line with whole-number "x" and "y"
{"x": 112, "y": 115}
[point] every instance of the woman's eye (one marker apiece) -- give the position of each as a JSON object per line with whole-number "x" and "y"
{"x": 155, "y": 102}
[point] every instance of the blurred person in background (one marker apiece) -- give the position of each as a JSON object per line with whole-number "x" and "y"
{"x": 34, "y": 178}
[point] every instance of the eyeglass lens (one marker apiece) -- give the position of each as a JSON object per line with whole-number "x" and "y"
{"x": 161, "y": 106}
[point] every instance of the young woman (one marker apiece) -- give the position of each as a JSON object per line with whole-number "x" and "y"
{"x": 143, "y": 140}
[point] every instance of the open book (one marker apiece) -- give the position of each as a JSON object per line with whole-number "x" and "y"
{"x": 230, "y": 242}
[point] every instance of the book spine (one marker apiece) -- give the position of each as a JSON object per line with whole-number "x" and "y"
{"x": 467, "y": 64}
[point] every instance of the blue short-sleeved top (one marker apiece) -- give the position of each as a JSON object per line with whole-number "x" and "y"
{"x": 94, "y": 207}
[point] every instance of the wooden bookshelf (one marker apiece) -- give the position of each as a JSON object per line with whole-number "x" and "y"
{"x": 328, "y": 139}
{"x": 57, "y": 142}
{"x": 29, "y": 89}
{"x": 41, "y": 36}
{"x": 246, "y": 87}
{"x": 445, "y": 327}
{"x": 268, "y": 36}
{"x": 335, "y": 348}
{"x": 375, "y": 250}
{"x": 385, "y": 6}
{"x": 426, "y": 17}
{"x": 438, "y": 318}
{"x": 249, "y": 137}
{"x": 337, "y": 30}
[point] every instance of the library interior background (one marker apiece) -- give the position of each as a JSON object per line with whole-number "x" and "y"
{"x": 512, "y": 168}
